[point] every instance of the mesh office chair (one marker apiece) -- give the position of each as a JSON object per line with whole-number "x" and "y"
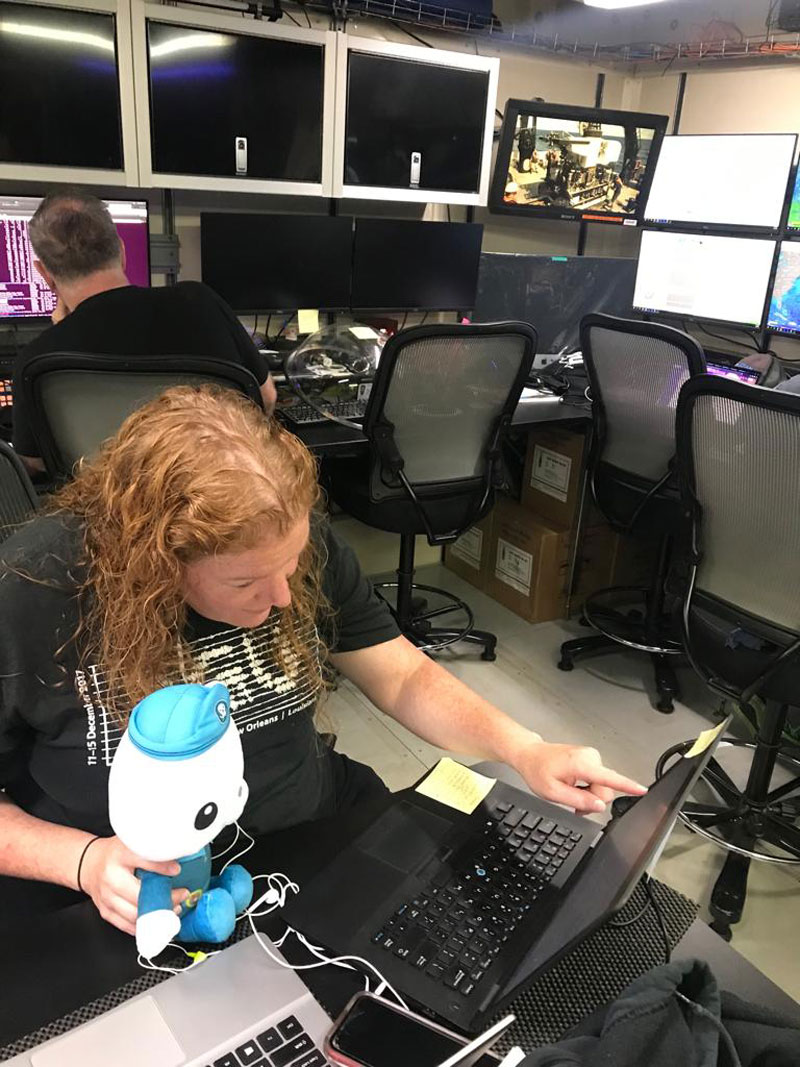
{"x": 636, "y": 370}
{"x": 739, "y": 457}
{"x": 17, "y": 496}
{"x": 77, "y": 400}
{"x": 442, "y": 397}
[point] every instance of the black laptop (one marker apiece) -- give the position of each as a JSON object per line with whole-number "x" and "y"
{"x": 461, "y": 912}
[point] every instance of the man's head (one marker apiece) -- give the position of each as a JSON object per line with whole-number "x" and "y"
{"x": 73, "y": 237}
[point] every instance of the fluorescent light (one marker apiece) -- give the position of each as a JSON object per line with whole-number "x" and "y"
{"x": 188, "y": 43}
{"x": 45, "y": 33}
{"x": 613, "y": 5}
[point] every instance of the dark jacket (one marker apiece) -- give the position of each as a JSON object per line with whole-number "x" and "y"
{"x": 676, "y": 1016}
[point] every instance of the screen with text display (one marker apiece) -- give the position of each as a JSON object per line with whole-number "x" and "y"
{"x": 793, "y": 222}
{"x": 702, "y": 276}
{"x": 23, "y": 291}
{"x": 722, "y": 179}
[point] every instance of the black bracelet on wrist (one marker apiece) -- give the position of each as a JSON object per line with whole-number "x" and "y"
{"x": 91, "y": 841}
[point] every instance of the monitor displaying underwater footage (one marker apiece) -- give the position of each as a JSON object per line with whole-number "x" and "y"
{"x": 586, "y": 164}
{"x": 784, "y": 308}
{"x": 793, "y": 222}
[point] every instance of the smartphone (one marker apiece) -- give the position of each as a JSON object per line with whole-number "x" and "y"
{"x": 373, "y": 1032}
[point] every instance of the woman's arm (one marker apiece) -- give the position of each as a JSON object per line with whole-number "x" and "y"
{"x": 45, "y": 852}
{"x": 412, "y": 688}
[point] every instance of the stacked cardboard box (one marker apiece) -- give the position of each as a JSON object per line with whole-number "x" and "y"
{"x": 521, "y": 553}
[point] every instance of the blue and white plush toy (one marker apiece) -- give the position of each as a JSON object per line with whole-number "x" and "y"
{"x": 176, "y": 780}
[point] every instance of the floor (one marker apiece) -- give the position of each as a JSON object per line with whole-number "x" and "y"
{"x": 603, "y": 703}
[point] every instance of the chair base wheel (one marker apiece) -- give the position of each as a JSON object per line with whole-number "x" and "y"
{"x": 489, "y": 655}
{"x": 665, "y": 706}
{"x": 721, "y": 929}
{"x": 565, "y": 664}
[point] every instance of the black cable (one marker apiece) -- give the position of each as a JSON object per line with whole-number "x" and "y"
{"x": 423, "y": 318}
{"x": 728, "y": 340}
{"x": 648, "y": 888}
{"x": 266, "y": 332}
{"x": 410, "y": 34}
{"x": 294, "y": 20}
{"x": 255, "y": 327}
{"x": 405, "y": 319}
{"x": 448, "y": 214}
{"x": 308, "y": 17}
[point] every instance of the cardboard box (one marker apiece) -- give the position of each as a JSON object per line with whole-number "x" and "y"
{"x": 468, "y": 557}
{"x": 553, "y": 476}
{"x": 529, "y": 559}
{"x": 607, "y": 558}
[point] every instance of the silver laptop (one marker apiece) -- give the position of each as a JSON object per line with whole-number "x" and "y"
{"x": 239, "y": 1007}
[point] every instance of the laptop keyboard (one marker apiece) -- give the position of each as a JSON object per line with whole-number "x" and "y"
{"x": 453, "y": 930}
{"x": 345, "y": 409}
{"x": 284, "y": 1045}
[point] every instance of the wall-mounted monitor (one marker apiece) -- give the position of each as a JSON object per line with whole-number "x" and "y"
{"x": 793, "y": 221}
{"x": 233, "y": 103}
{"x": 277, "y": 262}
{"x": 66, "y": 93}
{"x": 784, "y": 308}
{"x": 23, "y": 291}
{"x": 404, "y": 265}
{"x": 727, "y": 181}
{"x": 704, "y": 276}
{"x": 580, "y": 163}
{"x": 413, "y": 124}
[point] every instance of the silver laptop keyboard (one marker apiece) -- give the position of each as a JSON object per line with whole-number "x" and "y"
{"x": 284, "y": 1045}
{"x": 454, "y": 929}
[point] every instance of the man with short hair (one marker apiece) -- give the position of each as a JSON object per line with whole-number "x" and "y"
{"x": 82, "y": 259}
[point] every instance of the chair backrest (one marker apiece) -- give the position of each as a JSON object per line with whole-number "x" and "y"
{"x": 78, "y": 400}
{"x": 636, "y": 370}
{"x": 739, "y": 456}
{"x": 17, "y": 496}
{"x": 447, "y": 391}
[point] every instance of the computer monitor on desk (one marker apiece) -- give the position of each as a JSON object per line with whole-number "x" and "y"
{"x": 699, "y": 276}
{"x": 23, "y": 291}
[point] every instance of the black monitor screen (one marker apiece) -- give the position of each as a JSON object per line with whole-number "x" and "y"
{"x": 59, "y": 89}
{"x": 406, "y": 265}
{"x": 396, "y": 107}
{"x": 210, "y": 91}
{"x": 553, "y": 293}
{"x": 278, "y": 262}
{"x": 574, "y": 163}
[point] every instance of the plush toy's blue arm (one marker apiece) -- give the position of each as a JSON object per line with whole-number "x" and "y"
{"x": 155, "y": 893}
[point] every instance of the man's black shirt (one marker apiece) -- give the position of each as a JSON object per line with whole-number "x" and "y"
{"x": 187, "y": 319}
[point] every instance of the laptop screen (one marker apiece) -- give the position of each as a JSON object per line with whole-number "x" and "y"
{"x": 612, "y": 869}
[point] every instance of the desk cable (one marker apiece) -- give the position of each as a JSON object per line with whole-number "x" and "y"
{"x": 279, "y": 885}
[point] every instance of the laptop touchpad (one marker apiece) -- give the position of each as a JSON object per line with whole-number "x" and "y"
{"x": 405, "y": 837}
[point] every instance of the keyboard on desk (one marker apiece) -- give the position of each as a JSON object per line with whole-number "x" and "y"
{"x": 344, "y": 409}
{"x": 283, "y": 1045}
{"x": 455, "y": 928}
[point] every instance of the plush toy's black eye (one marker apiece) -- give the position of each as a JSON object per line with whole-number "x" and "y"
{"x": 205, "y": 816}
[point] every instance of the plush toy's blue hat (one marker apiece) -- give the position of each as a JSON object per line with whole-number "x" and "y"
{"x": 180, "y": 721}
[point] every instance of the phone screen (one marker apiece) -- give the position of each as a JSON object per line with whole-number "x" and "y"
{"x": 375, "y": 1035}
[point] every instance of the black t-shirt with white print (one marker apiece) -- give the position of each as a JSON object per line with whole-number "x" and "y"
{"x": 57, "y": 738}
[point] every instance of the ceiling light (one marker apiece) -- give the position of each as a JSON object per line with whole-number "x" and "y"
{"x": 613, "y": 5}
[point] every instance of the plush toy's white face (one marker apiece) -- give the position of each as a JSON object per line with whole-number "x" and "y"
{"x": 163, "y": 809}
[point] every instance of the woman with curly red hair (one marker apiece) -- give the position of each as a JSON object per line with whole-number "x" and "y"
{"x": 190, "y": 549}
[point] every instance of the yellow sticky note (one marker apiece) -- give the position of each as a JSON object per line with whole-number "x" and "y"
{"x": 704, "y": 740}
{"x": 456, "y": 786}
{"x": 307, "y": 320}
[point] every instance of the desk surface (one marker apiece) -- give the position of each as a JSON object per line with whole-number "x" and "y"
{"x": 535, "y": 406}
{"x": 76, "y": 957}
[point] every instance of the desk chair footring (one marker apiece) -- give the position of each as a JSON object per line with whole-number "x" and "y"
{"x": 755, "y": 823}
{"x": 414, "y": 617}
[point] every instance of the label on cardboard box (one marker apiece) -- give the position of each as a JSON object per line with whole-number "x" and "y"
{"x": 550, "y": 473}
{"x": 513, "y": 566}
{"x": 469, "y": 547}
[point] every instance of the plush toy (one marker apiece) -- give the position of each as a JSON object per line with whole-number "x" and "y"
{"x": 176, "y": 780}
